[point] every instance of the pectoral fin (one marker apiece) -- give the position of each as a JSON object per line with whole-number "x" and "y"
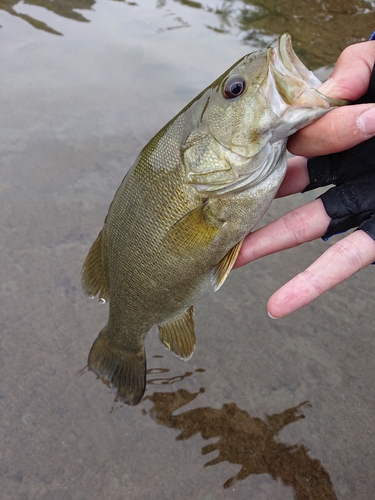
{"x": 178, "y": 334}
{"x": 195, "y": 230}
{"x": 94, "y": 276}
{"x": 225, "y": 265}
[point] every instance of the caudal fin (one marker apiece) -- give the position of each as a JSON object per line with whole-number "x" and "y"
{"x": 125, "y": 371}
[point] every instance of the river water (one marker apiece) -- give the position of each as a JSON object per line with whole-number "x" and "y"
{"x": 265, "y": 409}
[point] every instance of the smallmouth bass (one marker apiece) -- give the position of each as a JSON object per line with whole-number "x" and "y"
{"x": 177, "y": 221}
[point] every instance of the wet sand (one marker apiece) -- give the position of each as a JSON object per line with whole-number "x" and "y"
{"x": 231, "y": 422}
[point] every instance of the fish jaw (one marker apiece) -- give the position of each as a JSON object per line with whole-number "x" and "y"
{"x": 292, "y": 90}
{"x": 244, "y": 174}
{"x": 291, "y": 61}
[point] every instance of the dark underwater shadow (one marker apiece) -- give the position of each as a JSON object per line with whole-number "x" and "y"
{"x": 241, "y": 439}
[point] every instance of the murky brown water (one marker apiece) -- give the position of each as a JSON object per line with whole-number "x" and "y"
{"x": 83, "y": 86}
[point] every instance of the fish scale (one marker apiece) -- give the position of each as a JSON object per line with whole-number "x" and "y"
{"x": 177, "y": 221}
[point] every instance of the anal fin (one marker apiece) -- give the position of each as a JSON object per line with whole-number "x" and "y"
{"x": 178, "y": 334}
{"x": 225, "y": 265}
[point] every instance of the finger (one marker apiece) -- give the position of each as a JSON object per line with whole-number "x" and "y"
{"x": 340, "y": 129}
{"x": 299, "y": 226}
{"x": 351, "y": 75}
{"x": 349, "y": 80}
{"x": 296, "y": 177}
{"x": 338, "y": 263}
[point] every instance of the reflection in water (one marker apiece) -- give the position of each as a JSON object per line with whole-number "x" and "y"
{"x": 64, "y": 8}
{"x": 242, "y": 439}
{"x": 314, "y": 25}
{"x": 320, "y": 30}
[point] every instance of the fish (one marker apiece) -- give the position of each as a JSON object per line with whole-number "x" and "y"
{"x": 177, "y": 222}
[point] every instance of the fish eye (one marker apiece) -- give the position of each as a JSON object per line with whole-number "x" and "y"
{"x": 234, "y": 87}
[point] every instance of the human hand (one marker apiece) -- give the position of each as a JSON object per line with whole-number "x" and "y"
{"x": 339, "y": 130}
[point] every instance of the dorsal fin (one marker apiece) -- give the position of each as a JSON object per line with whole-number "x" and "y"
{"x": 225, "y": 265}
{"x": 178, "y": 334}
{"x": 94, "y": 275}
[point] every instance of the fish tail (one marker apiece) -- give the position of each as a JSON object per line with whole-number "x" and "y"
{"x": 125, "y": 371}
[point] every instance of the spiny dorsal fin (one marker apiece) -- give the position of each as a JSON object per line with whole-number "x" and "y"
{"x": 225, "y": 265}
{"x": 94, "y": 276}
{"x": 178, "y": 334}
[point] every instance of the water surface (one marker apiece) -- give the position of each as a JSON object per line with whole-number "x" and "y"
{"x": 264, "y": 409}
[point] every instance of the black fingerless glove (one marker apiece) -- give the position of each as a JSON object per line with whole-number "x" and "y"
{"x": 352, "y": 202}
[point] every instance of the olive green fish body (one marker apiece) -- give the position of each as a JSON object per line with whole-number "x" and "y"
{"x": 178, "y": 219}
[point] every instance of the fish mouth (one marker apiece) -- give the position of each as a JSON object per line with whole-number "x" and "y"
{"x": 290, "y": 60}
{"x": 292, "y": 78}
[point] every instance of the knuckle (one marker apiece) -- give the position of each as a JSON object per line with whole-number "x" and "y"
{"x": 350, "y": 53}
{"x": 350, "y": 254}
{"x": 332, "y": 135}
{"x": 315, "y": 284}
{"x": 295, "y": 225}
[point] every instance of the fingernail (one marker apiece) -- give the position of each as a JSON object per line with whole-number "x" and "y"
{"x": 326, "y": 86}
{"x": 270, "y": 315}
{"x": 366, "y": 122}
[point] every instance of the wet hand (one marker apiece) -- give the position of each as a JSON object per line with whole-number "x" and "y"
{"x": 341, "y": 129}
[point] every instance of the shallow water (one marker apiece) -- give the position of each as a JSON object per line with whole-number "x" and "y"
{"x": 84, "y": 85}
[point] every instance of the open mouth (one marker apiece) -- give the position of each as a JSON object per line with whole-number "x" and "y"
{"x": 288, "y": 69}
{"x": 294, "y": 84}
{"x": 291, "y": 62}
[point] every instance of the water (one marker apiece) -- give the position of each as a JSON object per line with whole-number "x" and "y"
{"x": 84, "y": 86}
